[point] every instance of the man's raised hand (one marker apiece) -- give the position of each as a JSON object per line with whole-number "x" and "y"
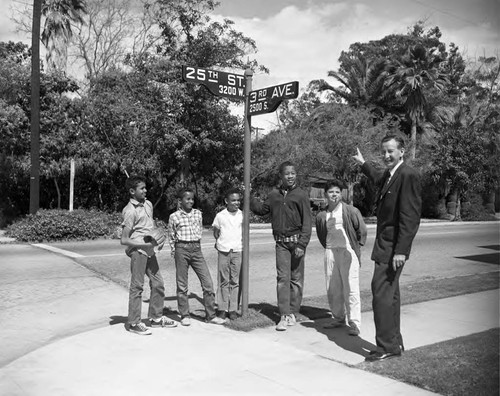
{"x": 359, "y": 157}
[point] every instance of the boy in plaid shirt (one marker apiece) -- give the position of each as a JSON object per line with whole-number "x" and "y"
{"x": 184, "y": 234}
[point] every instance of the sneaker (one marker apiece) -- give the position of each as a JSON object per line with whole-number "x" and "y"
{"x": 186, "y": 321}
{"x": 222, "y": 314}
{"x": 334, "y": 324}
{"x": 233, "y": 315}
{"x": 291, "y": 320}
{"x": 163, "y": 322}
{"x": 139, "y": 328}
{"x": 216, "y": 320}
{"x": 354, "y": 330}
{"x": 283, "y": 323}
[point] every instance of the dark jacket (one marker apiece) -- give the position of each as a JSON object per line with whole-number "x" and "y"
{"x": 354, "y": 227}
{"x": 290, "y": 213}
{"x": 399, "y": 206}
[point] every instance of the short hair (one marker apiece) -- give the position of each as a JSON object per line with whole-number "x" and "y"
{"x": 183, "y": 191}
{"x": 335, "y": 183}
{"x": 398, "y": 138}
{"x": 283, "y": 165}
{"x": 232, "y": 191}
{"x": 133, "y": 181}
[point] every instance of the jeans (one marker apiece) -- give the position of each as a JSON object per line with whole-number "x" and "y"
{"x": 290, "y": 278}
{"x": 229, "y": 266}
{"x": 189, "y": 254}
{"x": 141, "y": 265}
{"x": 342, "y": 285}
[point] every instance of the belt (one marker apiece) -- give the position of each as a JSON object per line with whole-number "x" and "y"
{"x": 188, "y": 241}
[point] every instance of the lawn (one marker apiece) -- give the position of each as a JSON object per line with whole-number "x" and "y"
{"x": 265, "y": 314}
{"x": 464, "y": 366}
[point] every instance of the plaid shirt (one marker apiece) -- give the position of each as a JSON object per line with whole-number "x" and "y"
{"x": 183, "y": 226}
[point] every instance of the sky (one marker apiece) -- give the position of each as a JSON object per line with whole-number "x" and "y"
{"x": 301, "y": 40}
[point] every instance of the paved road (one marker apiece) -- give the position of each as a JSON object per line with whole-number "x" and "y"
{"x": 440, "y": 251}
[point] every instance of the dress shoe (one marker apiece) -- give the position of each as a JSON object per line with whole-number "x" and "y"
{"x": 376, "y": 356}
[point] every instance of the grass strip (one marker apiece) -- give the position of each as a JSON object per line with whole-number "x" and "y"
{"x": 265, "y": 314}
{"x": 463, "y": 366}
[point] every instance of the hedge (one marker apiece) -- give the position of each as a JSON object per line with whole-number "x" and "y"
{"x": 63, "y": 225}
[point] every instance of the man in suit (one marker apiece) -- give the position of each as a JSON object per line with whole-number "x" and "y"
{"x": 399, "y": 206}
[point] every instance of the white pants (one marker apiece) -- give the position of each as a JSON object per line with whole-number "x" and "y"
{"x": 342, "y": 285}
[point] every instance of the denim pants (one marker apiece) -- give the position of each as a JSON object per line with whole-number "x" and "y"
{"x": 141, "y": 265}
{"x": 290, "y": 278}
{"x": 342, "y": 284}
{"x": 229, "y": 266}
{"x": 189, "y": 254}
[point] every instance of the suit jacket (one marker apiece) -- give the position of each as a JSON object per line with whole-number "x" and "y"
{"x": 399, "y": 206}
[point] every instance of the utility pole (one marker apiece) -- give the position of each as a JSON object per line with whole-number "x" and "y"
{"x": 257, "y": 129}
{"x": 35, "y": 108}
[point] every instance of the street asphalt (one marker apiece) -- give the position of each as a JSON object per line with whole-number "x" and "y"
{"x": 63, "y": 333}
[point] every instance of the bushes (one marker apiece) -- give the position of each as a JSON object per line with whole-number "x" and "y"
{"x": 62, "y": 225}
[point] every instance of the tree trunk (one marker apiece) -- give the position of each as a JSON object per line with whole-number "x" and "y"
{"x": 350, "y": 192}
{"x": 451, "y": 203}
{"x": 413, "y": 138}
{"x": 458, "y": 216}
{"x": 489, "y": 201}
{"x": 185, "y": 166}
{"x": 58, "y": 194}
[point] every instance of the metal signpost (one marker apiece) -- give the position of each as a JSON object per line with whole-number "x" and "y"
{"x": 265, "y": 100}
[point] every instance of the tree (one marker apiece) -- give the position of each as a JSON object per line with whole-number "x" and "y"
{"x": 112, "y": 30}
{"x": 362, "y": 83}
{"x": 57, "y": 30}
{"x": 416, "y": 72}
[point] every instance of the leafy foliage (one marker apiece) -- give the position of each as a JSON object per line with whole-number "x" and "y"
{"x": 62, "y": 225}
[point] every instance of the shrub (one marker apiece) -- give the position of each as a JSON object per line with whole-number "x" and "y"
{"x": 63, "y": 225}
{"x": 473, "y": 210}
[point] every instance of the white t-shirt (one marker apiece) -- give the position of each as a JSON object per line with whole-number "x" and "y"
{"x": 230, "y": 225}
{"x": 336, "y": 236}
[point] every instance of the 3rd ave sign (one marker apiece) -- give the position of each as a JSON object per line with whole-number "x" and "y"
{"x": 267, "y": 100}
{"x": 218, "y": 83}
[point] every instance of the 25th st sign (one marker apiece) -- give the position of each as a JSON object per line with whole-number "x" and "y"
{"x": 219, "y": 83}
{"x": 267, "y": 100}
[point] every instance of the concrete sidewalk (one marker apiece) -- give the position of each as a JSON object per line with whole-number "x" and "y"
{"x": 62, "y": 334}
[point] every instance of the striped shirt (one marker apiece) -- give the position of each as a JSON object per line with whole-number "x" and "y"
{"x": 184, "y": 227}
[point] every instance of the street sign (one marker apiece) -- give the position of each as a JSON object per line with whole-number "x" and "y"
{"x": 219, "y": 83}
{"x": 267, "y": 100}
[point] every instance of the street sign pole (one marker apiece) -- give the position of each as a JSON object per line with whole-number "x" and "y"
{"x": 265, "y": 100}
{"x": 245, "y": 263}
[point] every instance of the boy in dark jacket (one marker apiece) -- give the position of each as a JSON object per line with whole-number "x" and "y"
{"x": 291, "y": 222}
{"x": 341, "y": 230}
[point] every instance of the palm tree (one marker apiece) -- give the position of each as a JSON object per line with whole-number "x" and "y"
{"x": 411, "y": 77}
{"x": 362, "y": 83}
{"x": 59, "y": 15}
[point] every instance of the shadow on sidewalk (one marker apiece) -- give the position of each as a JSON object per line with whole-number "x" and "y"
{"x": 341, "y": 337}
